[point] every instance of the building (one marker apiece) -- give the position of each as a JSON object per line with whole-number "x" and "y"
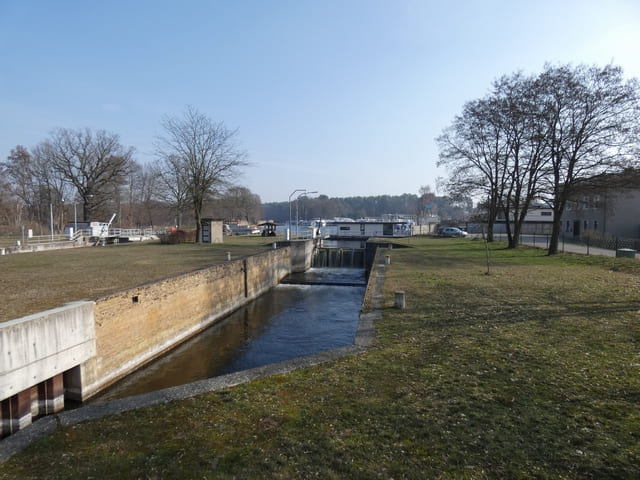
{"x": 366, "y": 229}
{"x": 603, "y": 214}
{"x": 538, "y": 220}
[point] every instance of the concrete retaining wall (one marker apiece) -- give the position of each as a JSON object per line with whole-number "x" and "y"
{"x": 301, "y": 255}
{"x": 41, "y": 346}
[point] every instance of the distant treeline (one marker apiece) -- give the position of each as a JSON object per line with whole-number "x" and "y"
{"x": 366, "y": 207}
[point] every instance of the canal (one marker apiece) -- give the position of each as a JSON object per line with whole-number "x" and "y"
{"x": 309, "y": 313}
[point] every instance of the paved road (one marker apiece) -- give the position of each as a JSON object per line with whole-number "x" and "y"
{"x": 568, "y": 247}
{"x": 541, "y": 242}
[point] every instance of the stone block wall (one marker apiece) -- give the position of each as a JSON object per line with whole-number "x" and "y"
{"x": 138, "y": 324}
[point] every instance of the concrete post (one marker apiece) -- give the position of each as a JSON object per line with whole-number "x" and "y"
{"x": 51, "y": 395}
{"x": 16, "y": 412}
{"x": 399, "y": 300}
{"x": 5, "y": 418}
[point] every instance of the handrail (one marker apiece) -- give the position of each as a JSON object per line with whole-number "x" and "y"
{"x": 78, "y": 234}
{"x": 46, "y": 239}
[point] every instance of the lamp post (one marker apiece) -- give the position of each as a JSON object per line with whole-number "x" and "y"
{"x": 51, "y": 219}
{"x": 62, "y": 211}
{"x": 292, "y": 194}
{"x": 303, "y": 194}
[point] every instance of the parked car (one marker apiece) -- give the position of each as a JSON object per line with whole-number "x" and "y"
{"x": 451, "y": 232}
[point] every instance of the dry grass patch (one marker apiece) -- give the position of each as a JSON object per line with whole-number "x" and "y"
{"x": 32, "y": 282}
{"x": 530, "y": 372}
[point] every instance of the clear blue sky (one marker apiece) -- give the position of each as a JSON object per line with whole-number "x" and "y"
{"x": 344, "y": 97}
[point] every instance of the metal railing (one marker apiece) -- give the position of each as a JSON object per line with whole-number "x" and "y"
{"x": 45, "y": 239}
{"x": 131, "y": 232}
{"x": 18, "y": 242}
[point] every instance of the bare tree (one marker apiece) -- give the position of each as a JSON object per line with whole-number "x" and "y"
{"x": 95, "y": 164}
{"x": 591, "y": 120}
{"x": 525, "y": 150}
{"x": 18, "y": 172}
{"x": 239, "y": 203}
{"x": 146, "y": 185}
{"x": 542, "y": 137}
{"x": 40, "y": 188}
{"x": 199, "y": 156}
{"x": 11, "y": 207}
{"x": 426, "y": 202}
{"x": 173, "y": 188}
{"x": 475, "y": 151}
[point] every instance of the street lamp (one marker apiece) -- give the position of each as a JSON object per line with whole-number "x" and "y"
{"x": 292, "y": 194}
{"x": 303, "y": 194}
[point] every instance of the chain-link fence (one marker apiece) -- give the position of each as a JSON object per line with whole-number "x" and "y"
{"x": 587, "y": 244}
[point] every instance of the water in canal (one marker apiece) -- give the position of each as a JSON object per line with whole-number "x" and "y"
{"x": 289, "y": 321}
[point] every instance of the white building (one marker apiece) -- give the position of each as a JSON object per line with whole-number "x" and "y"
{"x": 539, "y": 219}
{"x": 361, "y": 229}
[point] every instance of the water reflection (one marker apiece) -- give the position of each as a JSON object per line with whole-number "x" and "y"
{"x": 287, "y": 322}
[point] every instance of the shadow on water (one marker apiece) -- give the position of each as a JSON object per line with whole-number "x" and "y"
{"x": 288, "y": 321}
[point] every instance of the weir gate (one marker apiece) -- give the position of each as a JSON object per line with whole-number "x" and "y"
{"x": 338, "y": 258}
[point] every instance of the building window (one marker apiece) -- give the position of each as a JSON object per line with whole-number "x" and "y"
{"x": 545, "y": 214}
{"x": 595, "y": 224}
{"x": 568, "y": 228}
{"x": 586, "y": 224}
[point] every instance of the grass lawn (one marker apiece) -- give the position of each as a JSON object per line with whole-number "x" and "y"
{"x": 32, "y": 282}
{"x": 530, "y": 372}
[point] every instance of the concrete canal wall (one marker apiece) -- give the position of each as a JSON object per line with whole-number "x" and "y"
{"x": 35, "y": 351}
{"x": 75, "y": 351}
{"x": 136, "y": 325}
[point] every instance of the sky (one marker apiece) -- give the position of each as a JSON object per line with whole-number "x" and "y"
{"x": 341, "y": 97}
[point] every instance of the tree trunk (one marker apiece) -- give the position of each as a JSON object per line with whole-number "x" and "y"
{"x": 198, "y": 225}
{"x": 490, "y": 231}
{"x": 556, "y": 228}
{"x": 553, "y": 241}
{"x": 514, "y": 241}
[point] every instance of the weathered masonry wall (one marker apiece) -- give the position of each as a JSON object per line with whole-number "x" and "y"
{"x": 136, "y": 325}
